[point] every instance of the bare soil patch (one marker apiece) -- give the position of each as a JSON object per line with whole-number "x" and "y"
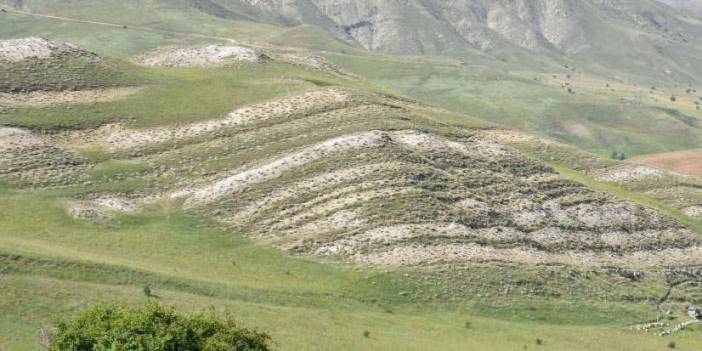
{"x": 688, "y": 162}
{"x": 205, "y": 56}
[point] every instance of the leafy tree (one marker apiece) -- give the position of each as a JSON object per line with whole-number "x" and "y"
{"x": 153, "y": 328}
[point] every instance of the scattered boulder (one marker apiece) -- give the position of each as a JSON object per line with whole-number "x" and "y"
{"x": 83, "y": 212}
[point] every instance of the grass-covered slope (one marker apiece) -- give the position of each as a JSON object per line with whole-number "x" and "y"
{"x": 56, "y": 272}
{"x": 177, "y": 96}
{"x": 35, "y": 64}
{"x": 600, "y": 115}
{"x": 335, "y": 214}
{"x": 399, "y": 207}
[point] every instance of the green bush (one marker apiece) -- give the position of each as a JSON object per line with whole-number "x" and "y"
{"x": 153, "y": 327}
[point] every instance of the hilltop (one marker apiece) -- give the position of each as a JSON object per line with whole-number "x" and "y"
{"x": 67, "y": 67}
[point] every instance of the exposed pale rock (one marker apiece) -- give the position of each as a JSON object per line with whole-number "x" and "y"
{"x": 206, "y": 56}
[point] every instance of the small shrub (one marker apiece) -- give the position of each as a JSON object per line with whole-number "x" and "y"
{"x": 539, "y": 341}
{"x": 366, "y": 334}
{"x": 671, "y": 345}
{"x": 468, "y": 325}
{"x": 147, "y": 291}
{"x": 673, "y": 98}
{"x": 153, "y": 327}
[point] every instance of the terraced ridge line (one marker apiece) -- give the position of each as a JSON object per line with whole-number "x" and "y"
{"x": 622, "y": 193}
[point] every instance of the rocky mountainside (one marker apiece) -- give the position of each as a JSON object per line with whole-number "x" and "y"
{"x": 611, "y": 35}
{"x": 694, "y": 6}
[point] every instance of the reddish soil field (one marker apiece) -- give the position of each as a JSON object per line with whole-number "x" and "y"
{"x": 684, "y": 162}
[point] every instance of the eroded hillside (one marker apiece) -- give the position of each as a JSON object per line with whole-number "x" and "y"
{"x": 339, "y": 172}
{"x": 324, "y": 165}
{"x": 538, "y": 33}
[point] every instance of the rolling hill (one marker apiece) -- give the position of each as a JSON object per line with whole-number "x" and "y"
{"x": 255, "y": 158}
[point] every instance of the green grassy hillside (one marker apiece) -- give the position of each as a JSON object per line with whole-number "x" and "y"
{"x": 176, "y": 96}
{"x": 599, "y": 115}
{"x": 304, "y": 305}
{"x": 56, "y": 263}
{"x": 374, "y": 204}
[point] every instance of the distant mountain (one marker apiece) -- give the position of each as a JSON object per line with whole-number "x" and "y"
{"x": 640, "y": 37}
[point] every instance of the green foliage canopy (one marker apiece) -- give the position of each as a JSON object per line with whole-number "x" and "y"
{"x": 153, "y": 327}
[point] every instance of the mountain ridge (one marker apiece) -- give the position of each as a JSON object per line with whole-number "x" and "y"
{"x": 636, "y": 35}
